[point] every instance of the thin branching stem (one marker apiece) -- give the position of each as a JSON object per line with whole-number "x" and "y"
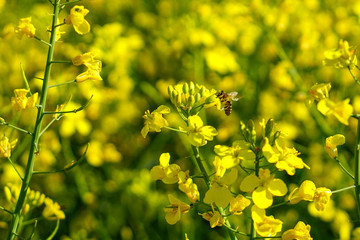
{"x": 61, "y": 61}
{"x": 16, "y": 221}
{"x": 71, "y": 111}
{"x": 357, "y": 169}
{"x": 5, "y": 210}
{"x": 352, "y": 74}
{"x": 343, "y": 189}
{"x": 176, "y": 130}
{"x": 42, "y": 41}
{"x": 12, "y": 164}
{"x": 64, "y": 83}
{"x": 15, "y": 127}
{"x": 343, "y": 168}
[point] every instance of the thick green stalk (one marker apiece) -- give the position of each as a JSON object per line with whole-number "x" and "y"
{"x": 208, "y": 183}
{"x": 357, "y": 169}
{"x": 15, "y": 223}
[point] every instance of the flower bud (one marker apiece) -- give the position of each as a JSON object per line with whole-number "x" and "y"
{"x": 185, "y": 88}
{"x": 191, "y": 100}
{"x": 269, "y": 127}
{"x": 197, "y": 97}
{"x": 202, "y": 91}
{"x": 252, "y": 131}
{"x": 2, "y": 120}
{"x": 25, "y": 209}
{"x": 171, "y": 92}
{"x": 191, "y": 88}
{"x": 178, "y": 100}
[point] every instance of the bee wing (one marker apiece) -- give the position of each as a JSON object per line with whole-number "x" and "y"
{"x": 233, "y": 96}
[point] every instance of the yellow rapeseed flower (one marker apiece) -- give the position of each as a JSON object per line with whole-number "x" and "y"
{"x": 214, "y": 217}
{"x": 300, "y": 232}
{"x": 284, "y": 158}
{"x": 309, "y": 192}
{"x": 6, "y": 146}
{"x": 25, "y": 27}
{"x": 52, "y": 210}
{"x": 76, "y": 18}
{"x": 198, "y": 133}
{"x": 318, "y": 92}
{"x": 342, "y": 57}
{"x": 168, "y": 173}
{"x": 331, "y": 144}
{"x": 341, "y": 110}
{"x": 154, "y": 121}
{"x": 21, "y": 101}
{"x": 175, "y": 210}
{"x": 232, "y": 156}
{"x": 238, "y": 204}
{"x": 187, "y": 186}
{"x": 263, "y": 188}
{"x": 265, "y": 226}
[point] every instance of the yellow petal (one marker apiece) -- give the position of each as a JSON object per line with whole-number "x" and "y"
{"x": 262, "y": 198}
{"x": 277, "y": 187}
{"x": 249, "y": 183}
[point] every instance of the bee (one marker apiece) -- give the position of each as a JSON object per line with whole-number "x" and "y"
{"x": 227, "y": 99}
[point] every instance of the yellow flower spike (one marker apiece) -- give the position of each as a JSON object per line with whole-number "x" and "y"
{"x": 187, "y": 186}
{"x": 26, "y": 28}
{"x": 265, "y": 226}
{"x": 331, "y": 144}
{"x": 305, "y": 192}
{"x": 6, "y": 146}
{"x": 238, "y": 204}
{"x": 21, "y": 101}
{"x": 342, "y": 57}
{"x": 76, "y": 18}
{"x": 266, "y": 186}
{"x": 198, "y": 133}
{"x": 342, "y": 111}
{"x": 284, "y": 158}
{"x": 175, "y": 210}
{"x": 52, "y": 210}
{"x": 321, "y": 198}
{"x": 154, "y": 121}
{"x": 300, "y": 232}
{"x": 167, "y": 173}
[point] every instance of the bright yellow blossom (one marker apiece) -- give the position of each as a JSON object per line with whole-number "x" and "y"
{"x": 76, "y": 18}
{"x": 263, "y": 188}
{"x": 341, "y": 110}
{"x": 238, "y": 204}
{"x": 92, "y": 72}
{"x": 321, "y": 198}
{"x": 168, "y": 173}
{"x": 6, "y": 146}
{"x": 331, "y": 144}
{"x": 198, "y": 133}
{"x": 52, "y": 210}
{"x": 214, "y": 217}
{"x": 319, "y": 92}
{"x": 232, "y": 156}
{"x": 25, "y": 27}
{"x": 305, "y": 192}
{"x": 284, "y": 158}
{"x": 300, "y": 232}
{"x": 154, "y": 121}
{"x": 21, "y": 101}
{"x": 85, "y": 58}
{"x": 175, "y": 210}
{"x": 342, "y": 57}
{"x": 187, "y": 186}
{"x": 219, "y": 192}
{"x": 265, "y": 226}
{"x": 309, "y": 192}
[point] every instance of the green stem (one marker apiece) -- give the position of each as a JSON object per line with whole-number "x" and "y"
{"x": 42, "y": 41}
{"x": 176, "y": 130}
{"x": 15, "y": 127}
{"x": 343, "y": 168}
{"x": 357, "y": 169}
{"x": 12, "y": 164}
{"x": 5, "y": 210}
{"x": 61, "y": 84}
{"x": 356, "y": 80}
{"x": 206, "y": 178}
{"x": 16, "y": 221}
{"x": 61, "y": 61}
{"x": 343, "y": 189}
